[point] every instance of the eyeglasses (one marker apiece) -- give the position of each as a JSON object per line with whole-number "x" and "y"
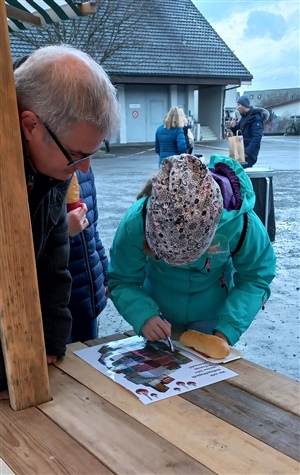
{"x": 63, "y": 150}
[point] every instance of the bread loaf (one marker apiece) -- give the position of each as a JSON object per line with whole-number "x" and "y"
{"x": 210, "y": 345}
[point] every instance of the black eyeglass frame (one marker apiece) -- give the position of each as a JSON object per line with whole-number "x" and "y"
{"x": 63, "y": 150}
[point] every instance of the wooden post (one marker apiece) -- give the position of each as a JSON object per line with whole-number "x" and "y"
{"x": 21, "y": 327}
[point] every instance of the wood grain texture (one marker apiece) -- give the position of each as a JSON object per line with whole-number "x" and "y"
{"x": 20, "y": 323}
{"x": 216, "y": 444}
{"x": 123, "y": 444}
{"x": 264, "y": 383}
{"x": 267, "y": 384}
{"x": 32, "y": 445}
{"x": 262, "y": 420}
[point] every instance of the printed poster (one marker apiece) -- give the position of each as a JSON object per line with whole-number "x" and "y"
{"x": 150, "y": 370}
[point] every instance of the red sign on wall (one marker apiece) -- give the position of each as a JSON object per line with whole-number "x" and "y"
{"x": 135, "y": 114}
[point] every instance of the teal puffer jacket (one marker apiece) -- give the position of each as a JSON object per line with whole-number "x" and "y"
{"x": 217, "y": 286}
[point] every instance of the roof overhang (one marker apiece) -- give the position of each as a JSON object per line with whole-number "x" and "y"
{"x": 177, "y": 80}
{"x": 25, "y": 14}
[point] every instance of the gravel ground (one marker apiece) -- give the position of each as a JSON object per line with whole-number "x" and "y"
{"x": 273, "y": 338}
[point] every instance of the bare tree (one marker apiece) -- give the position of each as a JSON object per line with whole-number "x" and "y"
{"x": 102, "y": 34}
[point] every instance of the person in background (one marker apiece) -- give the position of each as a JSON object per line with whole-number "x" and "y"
{"x": 169, "y": 137}
{"x": 192, "y": 249}
{"x": 107, "y": 146}
{"x": 88, "y": 261}
{"x": 67, "y": 106}
{"x": 188, "y": 134}
{"x": 251, "y": 126}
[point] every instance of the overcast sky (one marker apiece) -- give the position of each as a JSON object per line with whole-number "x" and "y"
{"x": 264, "y": 35}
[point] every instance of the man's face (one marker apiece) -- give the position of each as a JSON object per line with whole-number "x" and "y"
{"x": 82, "y": 140}
{"x": 242, "y": 109}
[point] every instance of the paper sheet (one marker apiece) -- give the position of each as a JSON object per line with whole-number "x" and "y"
{"x": 150, "y": 370}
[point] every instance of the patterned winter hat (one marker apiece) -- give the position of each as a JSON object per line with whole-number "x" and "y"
{"x": 185, "y": 208}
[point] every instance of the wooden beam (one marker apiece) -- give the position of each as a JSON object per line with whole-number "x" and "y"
{"x": 87, "y": 8}
{"x": 21, "y": 329}
{"x": 18, "y": 14}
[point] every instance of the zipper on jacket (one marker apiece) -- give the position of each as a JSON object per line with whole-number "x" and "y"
{"x": 30, "y": 183}
{"x": 263, "y": 303}
{"x": 223, "y": 283}
{"x": 207, "y": 265}
{"x": 89, "y": 272}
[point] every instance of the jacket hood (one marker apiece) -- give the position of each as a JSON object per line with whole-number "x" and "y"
{"x": 265, "y": 114}
{"x": 238, "y": 183}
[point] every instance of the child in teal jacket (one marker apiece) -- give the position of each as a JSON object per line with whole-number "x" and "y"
{"x": 176, "y": 252}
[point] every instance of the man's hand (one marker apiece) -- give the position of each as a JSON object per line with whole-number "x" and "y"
{"x": 233, "y": 122}
{"x": 156, "y": 329}
{"x": 4, "y": 394}
{"x": 77, "y": 220}
{"x": 51, "y": 359}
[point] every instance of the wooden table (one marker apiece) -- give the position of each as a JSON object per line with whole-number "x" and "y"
{"x": 245, "y": 425}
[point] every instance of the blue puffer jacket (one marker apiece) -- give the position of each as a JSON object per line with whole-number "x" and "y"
{"x": 88, "y": 265}
{"x": 251, "y": 125}
{"x": 169, "y": 142}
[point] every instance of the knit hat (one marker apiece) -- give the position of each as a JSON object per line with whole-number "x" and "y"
{"x": 185, "y": 208}
{"x": 244, "y": 101}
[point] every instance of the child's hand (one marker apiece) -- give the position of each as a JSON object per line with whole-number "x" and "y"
{"x": 77, "y": 220}
{"x": 156, "y": 329}
{"x": 51, "y": 359}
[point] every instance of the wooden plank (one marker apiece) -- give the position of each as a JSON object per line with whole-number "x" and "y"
{"x": 105, "y": 339}
{"x": 262, "y": 420}
{"x": 214, "y": 443}
{"x": 32, "y": 444}
{"x": 253, "y": 378}
{"x": 123, "y": 444}
{"x": 21, "y": 15}
{"x": 267, "y": 384}
{"x": 20, "y": 320}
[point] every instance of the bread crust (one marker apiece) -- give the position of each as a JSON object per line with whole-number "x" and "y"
{"x": 210, "y": 345}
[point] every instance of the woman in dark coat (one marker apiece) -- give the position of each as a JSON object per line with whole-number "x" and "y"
{"x": 88, "y": 261}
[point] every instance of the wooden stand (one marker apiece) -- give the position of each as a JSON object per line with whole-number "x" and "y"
{"x": 20, "y": 314}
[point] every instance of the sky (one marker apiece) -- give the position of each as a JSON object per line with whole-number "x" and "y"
{"x": 264, "y": 35}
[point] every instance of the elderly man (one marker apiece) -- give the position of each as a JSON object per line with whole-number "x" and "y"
{"x": 251, "y": 125}
{"x": 67, "y": 106}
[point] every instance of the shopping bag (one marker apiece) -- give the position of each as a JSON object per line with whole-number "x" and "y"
{"x": 236, "y": 146}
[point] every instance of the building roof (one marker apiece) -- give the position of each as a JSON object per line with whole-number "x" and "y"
{"x": 274, "y": 97}
{"x": 172, "y": 41}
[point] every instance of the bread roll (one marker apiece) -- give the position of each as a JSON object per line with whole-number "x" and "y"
{"x": 210, "y": 345}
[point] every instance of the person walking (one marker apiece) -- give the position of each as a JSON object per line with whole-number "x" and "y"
{"x": 88, "y": 261}
{"x": 192, "y": 249}
{"x": 169, "y": 137}
{"x": 251, "y": 126}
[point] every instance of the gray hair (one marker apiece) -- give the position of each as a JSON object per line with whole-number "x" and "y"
{"x": 64, "y": 86}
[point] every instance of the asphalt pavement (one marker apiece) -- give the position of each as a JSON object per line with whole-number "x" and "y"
{"x": 277, "y": 152}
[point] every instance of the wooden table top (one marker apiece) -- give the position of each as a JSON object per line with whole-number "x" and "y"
{"x": 248, "y": 424}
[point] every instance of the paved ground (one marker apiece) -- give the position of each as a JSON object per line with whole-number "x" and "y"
{"x": 273, "y": 338}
